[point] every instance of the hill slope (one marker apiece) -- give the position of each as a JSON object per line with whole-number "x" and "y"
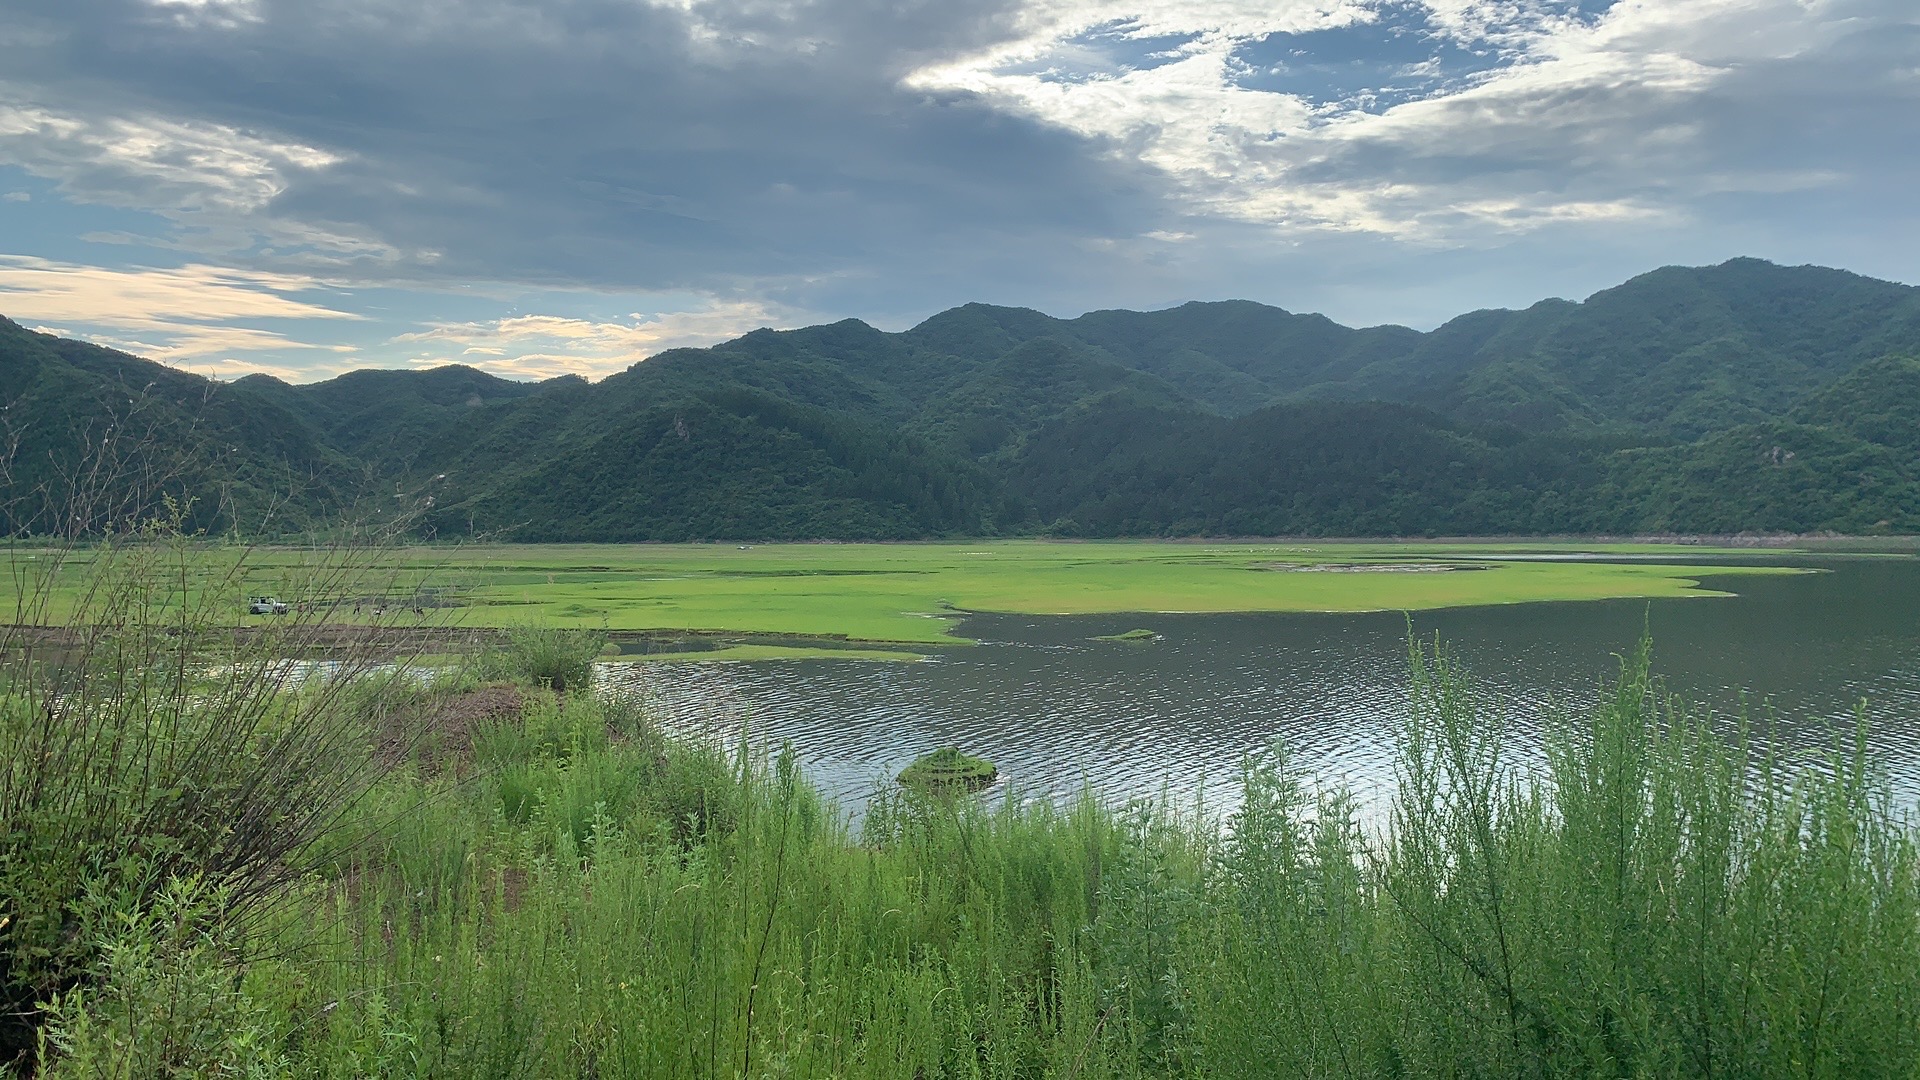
{"x": 91, "y": 438}
{"x": 1744, "y": 396}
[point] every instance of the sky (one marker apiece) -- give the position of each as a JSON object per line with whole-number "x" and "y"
{"x": 544, "y": 187}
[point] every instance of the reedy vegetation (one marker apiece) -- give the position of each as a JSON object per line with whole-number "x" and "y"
{"x": 577, "y": 895}
{"x": 154, "y": 758}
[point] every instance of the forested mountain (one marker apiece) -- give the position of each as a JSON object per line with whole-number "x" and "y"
{"x": 1739, "y": 397}
{"x": 92, "y": 439}
{"x": 384, "y": 417}
{"x": 1677, "y": 352}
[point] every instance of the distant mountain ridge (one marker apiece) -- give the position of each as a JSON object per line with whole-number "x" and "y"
{"x": 1679, "y": 350}
{"x": 1739, "y": 397}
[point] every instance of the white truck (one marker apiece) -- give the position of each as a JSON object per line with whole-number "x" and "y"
{"x": 265, "y": 605}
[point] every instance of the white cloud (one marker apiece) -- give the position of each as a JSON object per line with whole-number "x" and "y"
{"x": 218, "y": 14}
{"x": 216, "y": 182}
{"x": 1042, "y": 28}
{"x": 543, "y": 346}
{"x": 197, "y": 317}
{"x": 35, "y": 288}
{"x": 16, "y": 196}
{"x": 1604, "y": 121}
{"x": 201, "y": 165}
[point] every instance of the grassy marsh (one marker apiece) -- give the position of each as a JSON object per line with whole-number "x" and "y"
{"x": 914, "y": 593}
{"x": 768, "y": 652}
{"x": 507, "y": 871}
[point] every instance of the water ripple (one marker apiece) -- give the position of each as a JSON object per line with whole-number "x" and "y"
{"x": 1057, "y": 711}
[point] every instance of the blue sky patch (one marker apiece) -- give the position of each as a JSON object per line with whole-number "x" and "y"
{"x": 46, "y": 225}
{"x": 1104, "y": 52}
{"x": 1371, "y": 65}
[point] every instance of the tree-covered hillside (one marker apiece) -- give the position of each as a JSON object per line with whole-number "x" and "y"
{"x": 1739, "y": 397}
{"x": 92, "y": 439}
{"x": 1678, "y": 352}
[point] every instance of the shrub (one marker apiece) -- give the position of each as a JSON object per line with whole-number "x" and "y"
{"x": 560, "y": 660}
{"x": 166, "y": 1001}
{"x": 698, "y": 792}
{"x": 149, "y": 736}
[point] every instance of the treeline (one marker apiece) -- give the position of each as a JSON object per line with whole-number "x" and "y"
{"x": 1847, "y": 461}
{"x": 1741, "y": 397}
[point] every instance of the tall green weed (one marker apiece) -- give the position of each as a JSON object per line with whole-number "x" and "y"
{"x": 1656, "y": 895}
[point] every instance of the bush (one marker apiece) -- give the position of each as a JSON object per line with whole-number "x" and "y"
{"x": 147, "y": 738}
{"x": 560, "y": 660}
{"x": 697, "y": 792}
{"x": 166, "y": 1002}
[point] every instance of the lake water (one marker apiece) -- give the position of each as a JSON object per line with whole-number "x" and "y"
{"x": 1056, "y": 710}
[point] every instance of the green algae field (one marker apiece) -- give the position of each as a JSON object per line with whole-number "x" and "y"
{"x": 914, "y": 593}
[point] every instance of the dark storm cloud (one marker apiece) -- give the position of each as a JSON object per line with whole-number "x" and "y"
{"x": 593, "y": 142}
{"x": 1379, "y": 159}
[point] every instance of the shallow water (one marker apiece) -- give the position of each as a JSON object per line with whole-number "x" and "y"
{"x": 1056, "y": 710}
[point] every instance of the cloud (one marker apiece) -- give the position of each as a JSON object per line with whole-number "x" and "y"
{"x": 732, "y": 148}
{"x": 887, "y": 159}
{"x": 35, "y": 288}
{"x": 543, "y": 346}
{"x": 157, "y": 162}
{"x": 216, "y": 14}
{"x": 16, "y": 197}
{"x": 1630, "y": 117}
{"x": 198, "y": 317}
{"x": 215, "y": 181}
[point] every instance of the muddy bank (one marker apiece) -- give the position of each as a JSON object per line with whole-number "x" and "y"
{"x": 320, "y": 641}
{"x": 308, "y": 641}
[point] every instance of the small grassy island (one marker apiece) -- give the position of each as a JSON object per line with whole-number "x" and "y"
{"x": 947, "y": 769}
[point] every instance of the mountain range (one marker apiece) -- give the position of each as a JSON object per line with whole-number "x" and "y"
{"x": 1743, "y": 397}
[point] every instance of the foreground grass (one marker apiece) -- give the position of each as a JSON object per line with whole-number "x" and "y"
{"x": 913, "y": 593}
{"x": 561, "y": 893}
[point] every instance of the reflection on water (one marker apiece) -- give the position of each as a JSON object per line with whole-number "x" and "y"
{"x": 1055, "y": 710}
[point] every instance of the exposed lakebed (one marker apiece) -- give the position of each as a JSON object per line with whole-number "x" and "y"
{"x": 1054, "y": 708}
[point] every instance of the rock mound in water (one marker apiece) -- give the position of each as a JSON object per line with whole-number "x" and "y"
{"x": 947, "y": 769}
